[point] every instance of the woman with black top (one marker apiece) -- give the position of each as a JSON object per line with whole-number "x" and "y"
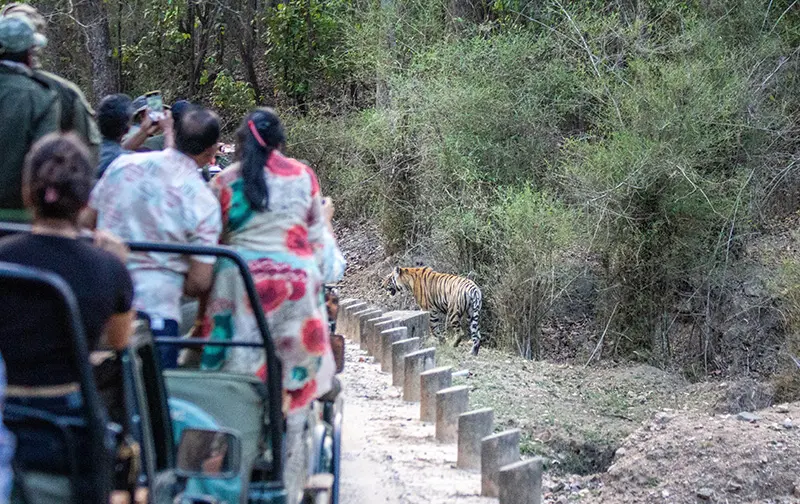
{"x": 57, "y": 180}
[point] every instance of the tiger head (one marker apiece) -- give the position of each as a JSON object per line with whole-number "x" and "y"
{"x": 393, "y": 281}
{"x": 403, "y": 278}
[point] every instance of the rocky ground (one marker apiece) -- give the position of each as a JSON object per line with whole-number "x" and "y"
{"x": 691, "y": 457}
{"x": 609, "y": 432}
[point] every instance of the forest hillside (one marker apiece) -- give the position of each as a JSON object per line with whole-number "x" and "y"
{"x": 620, "y": 176}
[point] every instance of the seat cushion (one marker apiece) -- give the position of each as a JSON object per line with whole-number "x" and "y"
{"x": 42, "y": 488}
{"x": 236, "y": 402}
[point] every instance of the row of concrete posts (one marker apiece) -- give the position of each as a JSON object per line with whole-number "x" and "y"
{"x": 394, "y": 340}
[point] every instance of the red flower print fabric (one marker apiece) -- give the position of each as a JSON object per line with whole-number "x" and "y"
{"x": 283, "y": 248}
{"x": 302, "y": 396}
{"x": 314, "y": 336}
{"x": 277, "y": 282}
{"x": 297, "y": 241}
{"x": 272, "y": 292}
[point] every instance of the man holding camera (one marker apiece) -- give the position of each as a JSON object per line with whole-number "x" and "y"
{"x": 114, "y": 116}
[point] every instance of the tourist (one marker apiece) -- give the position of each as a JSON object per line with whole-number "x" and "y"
{"x": 272, "y": 215}
{"x": 114, "y": 116}
{"x": 155, "y": 137}
{"x": 34, "y": 342}
{"x": 160, "y": 196}
{"x": 160, "y": 139}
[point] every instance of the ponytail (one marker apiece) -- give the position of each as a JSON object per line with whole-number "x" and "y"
{"x": 260, "y": 134}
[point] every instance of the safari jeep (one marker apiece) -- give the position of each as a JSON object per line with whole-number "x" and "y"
{"x": 199, "y": 436}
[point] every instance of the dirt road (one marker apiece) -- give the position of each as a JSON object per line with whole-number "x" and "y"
{"x": 389, "y": 455}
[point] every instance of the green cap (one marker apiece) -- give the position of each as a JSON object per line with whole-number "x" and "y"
{"x": 17, "y": 34}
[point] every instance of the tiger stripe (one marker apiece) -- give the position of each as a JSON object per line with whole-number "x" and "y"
{"x": 443, "y": 295}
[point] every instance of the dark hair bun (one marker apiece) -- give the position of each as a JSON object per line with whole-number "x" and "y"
{"x": 58, "y": 176}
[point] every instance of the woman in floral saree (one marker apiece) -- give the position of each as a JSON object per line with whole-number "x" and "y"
{"x": 272, "y": 215}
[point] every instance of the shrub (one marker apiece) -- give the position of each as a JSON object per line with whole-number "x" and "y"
{"x": 638, "y": 145}
{"x": 532, "y": 270}
{"x": 787, "y": 378}
{"x": 346, "y": 154}
{"x": 233, "y": 98}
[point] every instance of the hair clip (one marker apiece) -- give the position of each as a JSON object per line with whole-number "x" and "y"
{"x": 50, "y": 195}
{"x": 254, "y": 131}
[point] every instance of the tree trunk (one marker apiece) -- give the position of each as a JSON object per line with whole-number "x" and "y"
{"x": 247, "y": 43}
{"x": 93, "y": 16}
{"x": 383, "y": 96}
{"x": 187, "y": 27}
{"x": 465, "y": 11}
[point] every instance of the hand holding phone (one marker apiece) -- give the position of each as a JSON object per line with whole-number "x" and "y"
{"x": 149, "y": 126}
{"x": 166, "y": 123}
{"x": 155, "y": 105}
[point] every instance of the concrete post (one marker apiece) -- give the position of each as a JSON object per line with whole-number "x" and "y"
{"x": 497, "y": 450}
{"x": 414, "y": 364}
{"x": 341, "y": 317}
{"x": 416, "y": 321}
{"x": 360, "y": 319}
{"x": 375, "y": 341}
{"x": 473, "y": 426}
{"x": 399, "y": 351}
{"x": 368, "y": 332}
{"x": 347, "y": 327}
{"x": 521, "y": 482}
{"x": 388, "y": 337}
{"x": 353, "y": 315}
{"x": 450, "y": 404}
{"x": 431, "y": 382}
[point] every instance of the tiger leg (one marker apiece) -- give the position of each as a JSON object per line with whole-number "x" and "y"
{"x": 454, "y": 321}
{"x": 436, "y": 325}
{"x": 473, "y": 311}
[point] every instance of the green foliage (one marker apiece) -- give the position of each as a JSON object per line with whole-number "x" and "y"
{"x": 631, "y": 145}
{"x": 145, "y": 58}
{"x": 344, "y": 153}
{"x": 231, "y": 97}
{"x": 536, "y": 233}
{"x": 302, "y": 46}
{"x": 635, "y": 134}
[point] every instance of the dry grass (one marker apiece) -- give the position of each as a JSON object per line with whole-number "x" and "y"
{"x": 576, "y": 416}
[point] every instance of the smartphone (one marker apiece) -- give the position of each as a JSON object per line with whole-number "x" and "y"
{"x": 155, "y": 105}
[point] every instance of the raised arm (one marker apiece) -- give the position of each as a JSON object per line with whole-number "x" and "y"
{"x": 315, "y": 221}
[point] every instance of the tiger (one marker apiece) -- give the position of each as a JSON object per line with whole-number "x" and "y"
{"x": 441, "y": 294}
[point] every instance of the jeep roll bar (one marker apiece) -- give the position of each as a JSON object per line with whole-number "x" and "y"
{"x": 22, "y": 277}
{"x": 274, "y": 382}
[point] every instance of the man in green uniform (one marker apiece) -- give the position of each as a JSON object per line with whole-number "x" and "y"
{"x": 29, "y": 109}
{"x": 76, "y": 113}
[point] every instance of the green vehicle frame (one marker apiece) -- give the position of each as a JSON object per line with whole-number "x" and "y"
{"x": 242, "y": 405}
